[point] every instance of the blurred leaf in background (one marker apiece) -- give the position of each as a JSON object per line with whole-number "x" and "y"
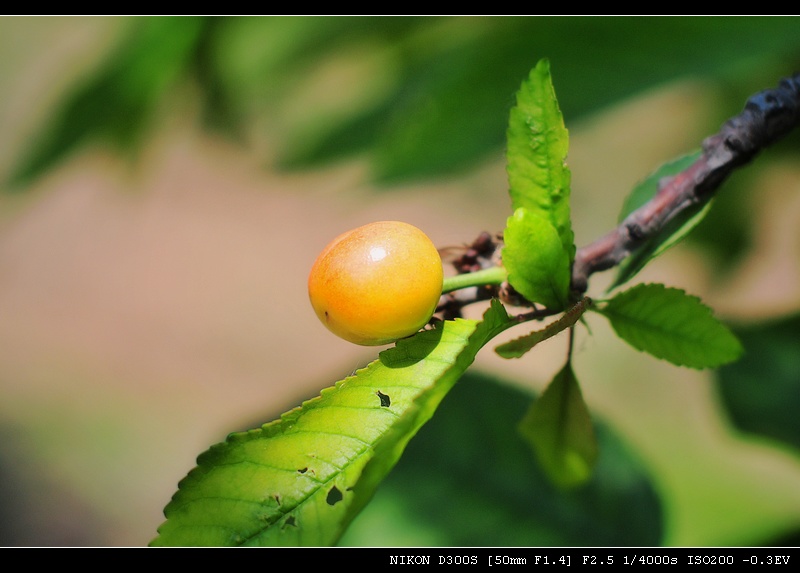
{"x": 762, "y": 390}
{"x": 420, "y": 96}
{"x": 120, "y": 100}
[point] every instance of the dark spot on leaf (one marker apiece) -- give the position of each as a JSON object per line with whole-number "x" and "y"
{"x": 277, "y": 499}
{"x": 302, "y": 470}
{"x": 385, "y": 402}
{"x": 290, "y": 521}
{"x": 334, "y": 496}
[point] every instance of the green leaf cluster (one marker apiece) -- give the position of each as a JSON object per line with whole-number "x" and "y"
{"x": 302, "y": 479}
{"x": 539, "y": 241}
{"x": 538, "y": 255}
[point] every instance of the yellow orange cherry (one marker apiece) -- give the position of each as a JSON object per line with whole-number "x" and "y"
{"x": 377, "y": 283}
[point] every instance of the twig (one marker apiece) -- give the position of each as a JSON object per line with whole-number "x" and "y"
{"x": 767, "y": 117}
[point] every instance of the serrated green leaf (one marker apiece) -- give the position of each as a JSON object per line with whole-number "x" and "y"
{"x": 538, "y": 266}
{"x": 671, "y": 325}
{"x": 468, "y": 478}
{"x": 673, "y": 232}
{"x": 301, "y": 479}
{"x": 538, "y": 142}
{"x": 559, "y": 429}
{"x": 520, "y": 346}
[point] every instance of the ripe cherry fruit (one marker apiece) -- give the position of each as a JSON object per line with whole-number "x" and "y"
{"x": 377, "y": 283}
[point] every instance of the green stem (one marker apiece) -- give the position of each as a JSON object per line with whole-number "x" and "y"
{"x": 490, "y": 276}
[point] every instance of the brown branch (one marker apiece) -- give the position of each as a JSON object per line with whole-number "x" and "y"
{"x": 767, "y": 117}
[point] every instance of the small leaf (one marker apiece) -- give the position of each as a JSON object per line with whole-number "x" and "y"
{"x": 671, "y": 325}
{"x": 672, "y": 233}
{"x": 538, "y": 266}
{"x": 559, "y": 428}
{"x": 647, "y": 188}
{"x": 519, "y": 346}
{"x": 538, "y": 176}
{"x": 300, "y": 480}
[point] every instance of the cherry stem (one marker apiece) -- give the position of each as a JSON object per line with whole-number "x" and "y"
{"x": 490, "y": 276}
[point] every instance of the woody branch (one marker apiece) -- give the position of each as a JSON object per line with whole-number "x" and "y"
{"x": 767, "y": 117}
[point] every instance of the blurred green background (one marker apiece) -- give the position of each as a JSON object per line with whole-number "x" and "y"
{"x": 167, "y": 183}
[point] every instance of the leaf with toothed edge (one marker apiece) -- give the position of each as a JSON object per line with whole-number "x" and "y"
{"x": 300, "y": 480}
{"x": 538, "y": 266}
{"x": 671, "y": 325}
{"x": 537, "y": 146}
{"x": 539, "y": 242}
{"x": 520, "y": 346}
